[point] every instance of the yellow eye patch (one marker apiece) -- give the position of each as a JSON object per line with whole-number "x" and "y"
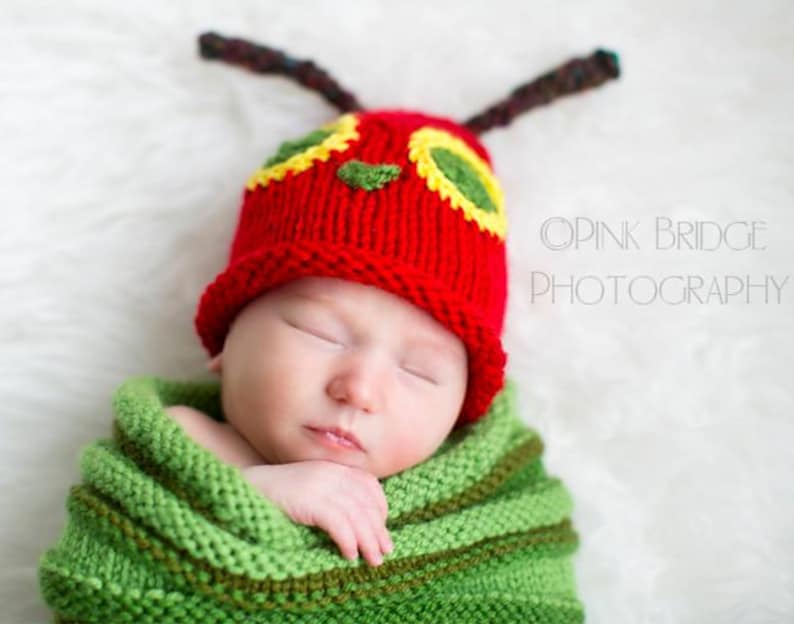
{"x": 300, "y": 154}
{"x": 456, "y": 172}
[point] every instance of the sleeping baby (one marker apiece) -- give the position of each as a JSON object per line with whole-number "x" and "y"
{"x": 360, "y": 404}
{"x": 327, "y": 386}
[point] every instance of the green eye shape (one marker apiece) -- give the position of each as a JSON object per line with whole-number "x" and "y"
{"x": 358, "y": 174}
{"x": 299, "y": 155}
{"x": 289, "y": 148}
{"x": 462, "y": 179}
{"x": 463, "y": 175}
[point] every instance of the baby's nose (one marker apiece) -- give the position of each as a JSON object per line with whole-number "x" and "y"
{"x": 360, "y": 385}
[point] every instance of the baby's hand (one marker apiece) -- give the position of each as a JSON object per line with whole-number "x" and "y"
{"x": 347, "y": 503}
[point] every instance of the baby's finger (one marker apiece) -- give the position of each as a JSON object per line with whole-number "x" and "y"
{"x": 341, "y": 532}
{"x": 379, "y": 528}
{"x": 386, "y": 543}
{"x": 375, "y": 493}
{"x": 380, "y": 497}
{"x": 366, "y": 536}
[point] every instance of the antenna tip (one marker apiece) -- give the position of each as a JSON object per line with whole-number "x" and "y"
{"x": 609, "y": 60}
{"x": 210, "y": 45}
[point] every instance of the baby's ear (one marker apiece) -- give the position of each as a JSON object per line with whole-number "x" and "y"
{"x": 214, "y": 364}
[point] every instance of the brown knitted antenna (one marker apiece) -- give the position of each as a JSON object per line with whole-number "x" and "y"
{"x": 265, "y": 60}
{"x": 576, "y": 75}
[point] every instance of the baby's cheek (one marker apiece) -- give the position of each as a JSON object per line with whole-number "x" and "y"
{"x": 406, "y": 445}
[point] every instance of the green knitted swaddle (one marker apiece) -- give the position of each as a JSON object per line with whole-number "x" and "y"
{"x": 160, "y": 530}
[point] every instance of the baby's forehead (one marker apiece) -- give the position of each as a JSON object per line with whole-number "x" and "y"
{"x": 323, "y": 286}
{"x": 333, "y": 290}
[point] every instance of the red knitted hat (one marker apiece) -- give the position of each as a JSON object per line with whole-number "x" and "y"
{"x": 397, "y": 199}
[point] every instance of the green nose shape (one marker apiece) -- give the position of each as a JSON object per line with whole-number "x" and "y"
{"x": 358, "y": 174}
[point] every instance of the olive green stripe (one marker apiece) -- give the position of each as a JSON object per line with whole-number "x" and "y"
{"x": 158, "y": 473}
{"x": 163, "y": 476}
{"x": 425, "y": 608}
{"x": 247, "y": 583}
{"x": 509, "y": 465}
{"x": 560, "y": 536}
{"x": 512, "y": 462}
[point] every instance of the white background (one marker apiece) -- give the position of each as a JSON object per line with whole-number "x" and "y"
{"x": 123, "y": 156}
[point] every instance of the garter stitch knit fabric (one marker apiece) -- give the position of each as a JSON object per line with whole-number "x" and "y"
{"x": 161, "y": 531}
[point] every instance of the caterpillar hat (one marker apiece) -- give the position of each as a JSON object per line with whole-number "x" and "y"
{"x": 398, "y": 199}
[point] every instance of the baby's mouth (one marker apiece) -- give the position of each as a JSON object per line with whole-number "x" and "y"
{"x": 335, "y": 437}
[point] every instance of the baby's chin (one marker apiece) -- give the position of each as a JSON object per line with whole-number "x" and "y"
{"x": 304, "y": 446}
{"x": 362, "y": 462}
{"x": 365, "y": 460}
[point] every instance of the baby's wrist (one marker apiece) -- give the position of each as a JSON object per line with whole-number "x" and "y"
{"x": 257, "y": 474}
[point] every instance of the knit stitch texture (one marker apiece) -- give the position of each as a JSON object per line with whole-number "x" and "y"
{"x": 160, "y": 530}
{"x": 400, "y": 200}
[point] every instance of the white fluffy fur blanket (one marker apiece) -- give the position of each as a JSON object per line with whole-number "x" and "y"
{"x": 123, "y": 156}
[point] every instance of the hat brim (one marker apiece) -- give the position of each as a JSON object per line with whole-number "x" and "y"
{"x": 252, "y": 275}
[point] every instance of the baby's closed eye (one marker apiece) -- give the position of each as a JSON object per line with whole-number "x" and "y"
{"x": 329, "y": 335}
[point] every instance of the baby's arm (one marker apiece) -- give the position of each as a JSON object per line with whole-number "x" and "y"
{"x": 220, "y": 438}
{"x": 347, "y": 503}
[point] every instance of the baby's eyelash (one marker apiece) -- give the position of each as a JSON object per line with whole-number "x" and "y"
{"x": 419, "y": 375}
{"x": 325, "y": 338}
{"x": 329, "y": 339}
{"x": 316, "y": 334}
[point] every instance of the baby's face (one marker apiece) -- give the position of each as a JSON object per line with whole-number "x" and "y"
{"x": 324, "y": 352}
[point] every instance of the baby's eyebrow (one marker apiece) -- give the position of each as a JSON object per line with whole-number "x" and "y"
{"x": 428, "y": 341}
{"x": 317, "y": 299}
